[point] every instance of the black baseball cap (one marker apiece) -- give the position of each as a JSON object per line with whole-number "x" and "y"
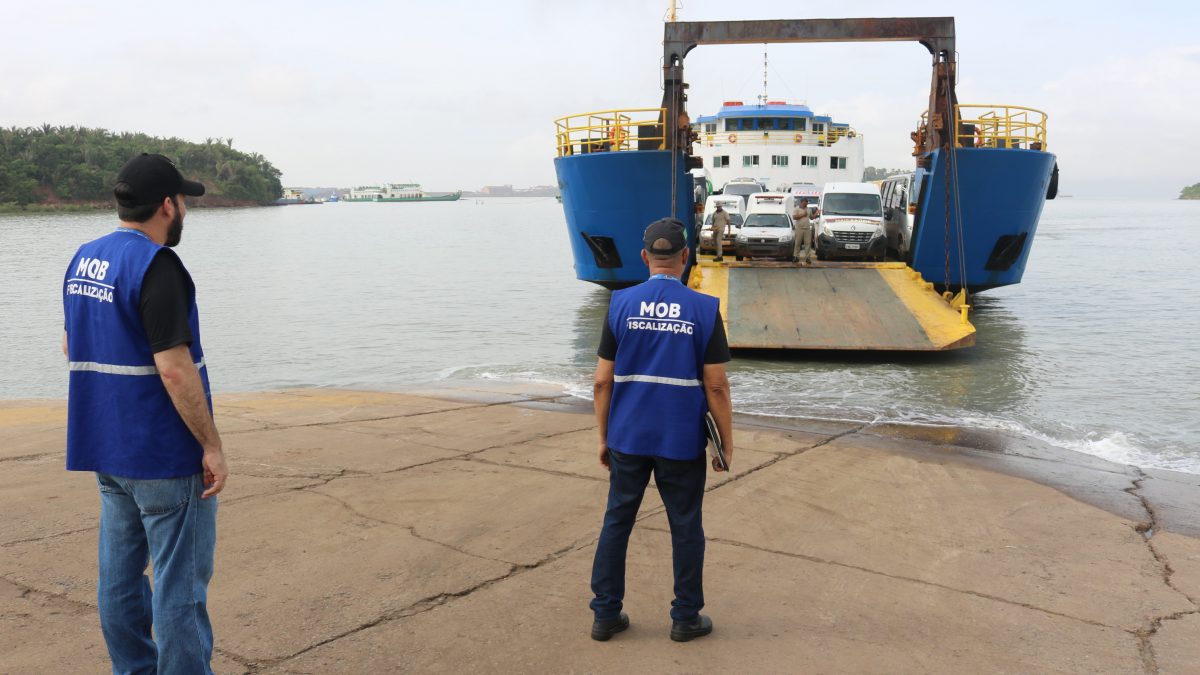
{"x": 664, "y": 236}
{"x": 151, "y": 178}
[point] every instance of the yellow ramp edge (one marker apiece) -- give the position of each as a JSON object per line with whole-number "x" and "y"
{"x": 946, "y": 326}
{"x": 712, "y": 279}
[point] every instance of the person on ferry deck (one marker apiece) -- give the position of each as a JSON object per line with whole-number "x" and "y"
{"x": 720, "y": 223}
{"x": 803, "y": 239}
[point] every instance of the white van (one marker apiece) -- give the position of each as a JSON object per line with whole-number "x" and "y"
{"x": 899, "y": 209}
{"x": 742, "y": 187}
{"x": 768, "y": 231}
{"x": 733, "y": 206}
{"x": 850, "y": 224}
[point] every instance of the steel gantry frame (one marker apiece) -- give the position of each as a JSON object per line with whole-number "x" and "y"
{"x": 935, "y": 33}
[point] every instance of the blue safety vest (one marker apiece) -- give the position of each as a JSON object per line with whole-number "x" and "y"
{"x": 120, "y": 419}
{"x": 658, "y": 402}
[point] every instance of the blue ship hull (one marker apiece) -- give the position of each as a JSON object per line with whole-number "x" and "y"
{"x": 609, "y": 198}
{"x": 1002, "y": 192}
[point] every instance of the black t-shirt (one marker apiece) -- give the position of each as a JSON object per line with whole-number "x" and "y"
{"x": 165, "y": 303}
{"x": 717, "y": 350}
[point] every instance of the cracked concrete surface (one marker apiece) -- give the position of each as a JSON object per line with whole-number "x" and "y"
{"x": 452, "y": 530}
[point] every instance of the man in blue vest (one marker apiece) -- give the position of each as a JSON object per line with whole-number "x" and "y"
{"x": 140, "y": 417}
{"x": 661, "y": 368}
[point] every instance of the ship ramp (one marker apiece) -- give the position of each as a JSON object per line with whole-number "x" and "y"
{"x": 882, "y": 306}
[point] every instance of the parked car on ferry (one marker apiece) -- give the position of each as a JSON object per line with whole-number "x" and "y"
{"x": 850, "y": 224}
{"x": 898, "y": 213}
{"x": 733, "y": 206}
{"x": 743, "y": 187}
{"x": 768, "y": 231}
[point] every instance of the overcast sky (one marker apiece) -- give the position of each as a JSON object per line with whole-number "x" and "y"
{"x": 462, "y": 94}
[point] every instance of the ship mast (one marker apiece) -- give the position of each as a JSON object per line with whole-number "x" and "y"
{"x": 762, "y": 100}
{"x": 673, "y": 11}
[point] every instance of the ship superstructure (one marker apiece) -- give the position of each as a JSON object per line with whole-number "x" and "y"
{"x": 778, "y": 144}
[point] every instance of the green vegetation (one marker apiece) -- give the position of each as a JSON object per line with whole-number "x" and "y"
{"x": 871, "y": 173}
{"x": 52, "y": 166}
{"x": 1190, "y": 192}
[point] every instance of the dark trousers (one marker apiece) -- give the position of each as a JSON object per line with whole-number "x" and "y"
{"x": 681, "y": 485}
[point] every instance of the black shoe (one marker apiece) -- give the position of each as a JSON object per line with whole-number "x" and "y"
{"x": 682, "y": 631}
{"x": 718, "y": 259}
{"x": 603, "y": 630}
{"x": 795, "y": 259}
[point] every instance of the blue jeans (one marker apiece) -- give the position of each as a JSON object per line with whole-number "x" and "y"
{"x": 681, "y": 485}
{"x": 167, "y": 521}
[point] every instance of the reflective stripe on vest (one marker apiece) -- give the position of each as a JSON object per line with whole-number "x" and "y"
{"x": 110, "y": 369}
{"x": 654, "y": 379}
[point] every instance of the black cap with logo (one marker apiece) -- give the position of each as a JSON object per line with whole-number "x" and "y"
{"x": 664, "y": 237}
{"x": 150, "y": 179}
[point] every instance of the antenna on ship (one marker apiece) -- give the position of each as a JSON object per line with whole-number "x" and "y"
{"x": 672, "y": 11}
{"x": 762, "y": 100}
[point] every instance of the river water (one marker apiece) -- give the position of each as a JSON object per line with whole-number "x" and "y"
{"x": 1096, "y": 351}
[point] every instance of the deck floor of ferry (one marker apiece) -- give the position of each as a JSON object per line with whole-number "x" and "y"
{"x": 831, "y": 305}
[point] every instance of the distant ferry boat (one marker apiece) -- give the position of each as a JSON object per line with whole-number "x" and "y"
{"x": 399, "y": 192}
{"x": 294, "y": 196}
{"x": 777, "y": 143}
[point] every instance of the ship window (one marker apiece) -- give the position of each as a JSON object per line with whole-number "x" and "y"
{"x": 801, "y": 124}
{"x": 766, "y": 124}
{"x": 808, "y": 160}
{"x": 749, "y": 160}
{"x": 837, "y": 162}
{"x": 779, "y": 160}
{"x": 710, "y": 128}
{"x": 720, "y": 161}
{"x": 818, "y": 127}
{"x": 731, "y": 125}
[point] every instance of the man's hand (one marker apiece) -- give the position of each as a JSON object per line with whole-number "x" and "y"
{"x": 604, "y": 456}
{"x": 215, "y": 472}
{"x": 728, "y": 460}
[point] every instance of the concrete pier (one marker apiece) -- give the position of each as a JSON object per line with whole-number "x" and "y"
{"x": 452, "y": 530}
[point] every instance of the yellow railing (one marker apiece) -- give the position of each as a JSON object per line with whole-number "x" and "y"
{"x": 997, "y": 126}
{"x": 610, "y": 131}
{"x": 1000, "y": 126}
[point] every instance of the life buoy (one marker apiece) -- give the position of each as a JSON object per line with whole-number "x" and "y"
{"x": 733, "y": 138}
{"x": 799, "y": 138}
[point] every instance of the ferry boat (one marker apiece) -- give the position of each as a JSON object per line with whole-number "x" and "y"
{"x": 399, "y": 192}
{"x": 981, "y": 176}
{"x": 293, "y": 197}
{"x": 777, "y": 143}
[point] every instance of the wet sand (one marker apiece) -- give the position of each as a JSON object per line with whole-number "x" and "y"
{"x": 452, "y": 530}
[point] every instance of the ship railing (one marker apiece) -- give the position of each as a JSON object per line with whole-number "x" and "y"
{"x": 997, "y": 126}
{"x": 611, "y": 131}
{"x": 777, "y": 137}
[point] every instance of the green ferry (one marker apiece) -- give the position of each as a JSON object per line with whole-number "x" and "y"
{"x": 399, "y": 192}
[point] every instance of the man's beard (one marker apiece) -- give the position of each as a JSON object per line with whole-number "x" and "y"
{"x": 175, "y": 230}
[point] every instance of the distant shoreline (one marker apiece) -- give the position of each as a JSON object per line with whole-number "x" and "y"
{"x": 10, "y": 208}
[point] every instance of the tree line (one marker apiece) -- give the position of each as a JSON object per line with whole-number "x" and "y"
{"x": 871, "y": 173}
{"x": 1190, "y": 192}
{"x": 55, "y": 164}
